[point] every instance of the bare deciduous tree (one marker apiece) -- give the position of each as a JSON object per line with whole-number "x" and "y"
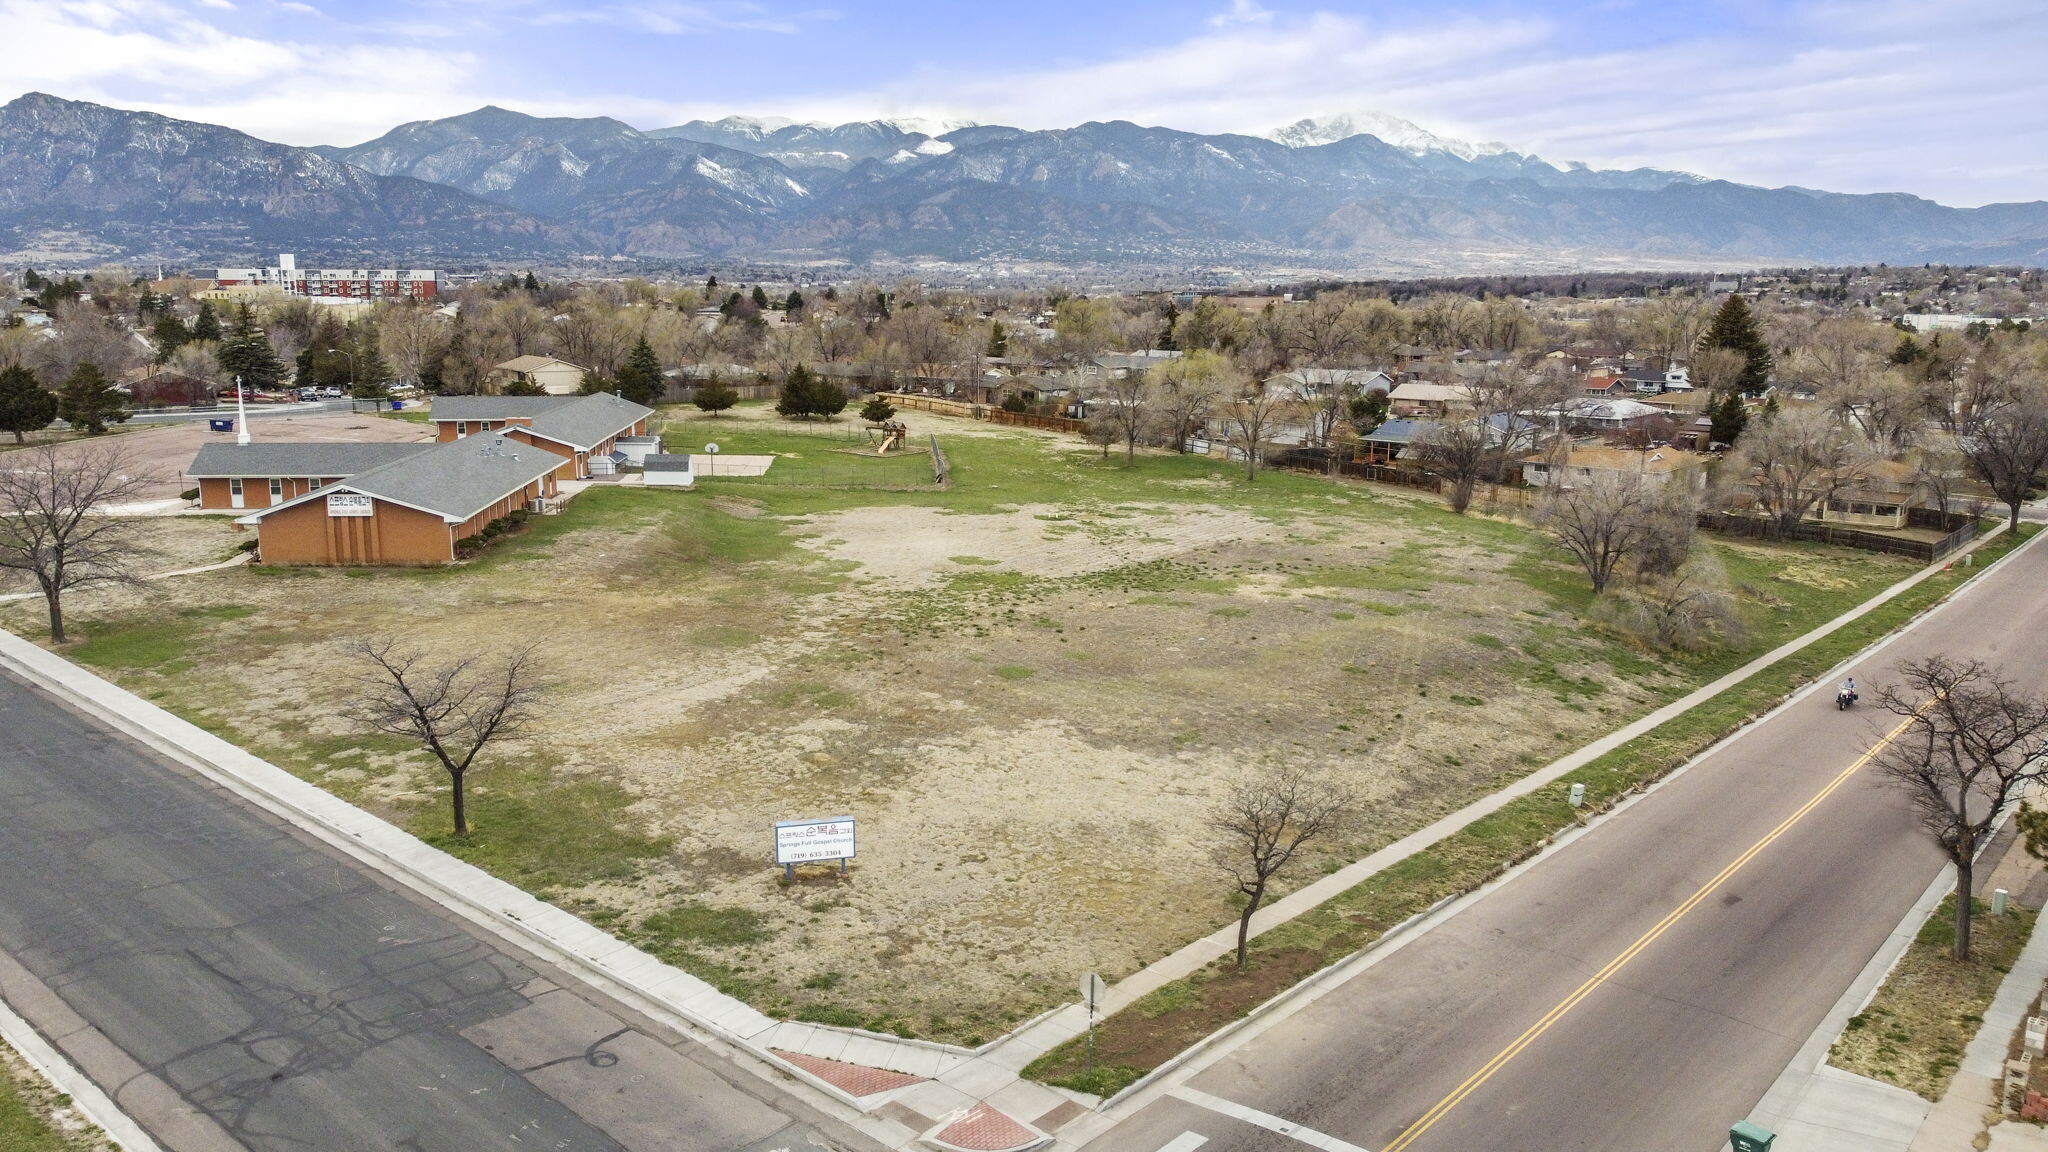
{"x": 1969, "y": 745}
{"x": 1600, "y": 522}
{"x": 1796, "y": 461}
{"x": 1185, "y": 389}
{"x": 1249, "y": 419}
{"x": 1264, "y": 821}
{"x": 53, "y": 525}
{"x": 2006, "y": 440}
{"x": 1125, "y": 404}
{"x": 452, "y": 709}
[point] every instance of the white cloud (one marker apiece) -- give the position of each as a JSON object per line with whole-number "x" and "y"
{"x": 1242, "y": 12}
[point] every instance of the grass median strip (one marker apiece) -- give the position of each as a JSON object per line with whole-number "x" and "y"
{"x": 35, "y": 1117}
{"x": 1915, "y": 1029}
{"x": 1165, "y": 1022}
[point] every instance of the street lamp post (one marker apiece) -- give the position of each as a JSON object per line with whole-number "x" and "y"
{"x": 351, "y": 368}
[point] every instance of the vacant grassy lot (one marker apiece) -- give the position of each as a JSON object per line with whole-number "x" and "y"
{"x": 1914, "y": 1032}
{"x": 1028, "y": 687}
{"x": 34, "y": 1117}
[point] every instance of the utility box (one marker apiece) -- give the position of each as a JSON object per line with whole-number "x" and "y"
{"x": 1747, "y": 1137}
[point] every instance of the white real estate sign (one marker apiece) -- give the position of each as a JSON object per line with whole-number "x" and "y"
{"x": 349, "y": 504}
{"x": 808, "y": 841}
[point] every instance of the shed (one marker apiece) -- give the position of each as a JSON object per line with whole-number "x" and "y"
{"x": 663, "y": 470}
{"x": 637, "y": 449}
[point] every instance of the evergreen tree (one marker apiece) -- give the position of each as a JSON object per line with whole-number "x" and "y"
{"x": 1729, "y": 419}
{"x": 32, "y": 280}
{"x": 760, "y": 298}
{"x": 431, "y": 380}
{"x": 25, "y": 405}
{"x": 998, "y": 342}
{"x": 640, "y": 377}
{"x": 532, "y": 282}
{"x": 877, "y": 410}
{"x": 324, "y": 361}
{"x": 805, "y": 393}
{"x": 1166, "y": 338}
{"x": 460, "y": 375}
{"x": 1734, "y": 327}
{"x": 89, "y": 402}
{"x": 168, "y": 334}
{"x": 246, "y": 353}
{"x": 206, "y": 326}
{"x": 710, "y": 285}
{"x": 714, "y": 396}
{"x": 794, "y": 303}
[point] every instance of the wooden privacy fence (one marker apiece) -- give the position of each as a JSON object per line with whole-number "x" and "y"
{"x": 916, "y": 402}
{"x": 1319, "y": 460}
{"x": 1762, "y": 528}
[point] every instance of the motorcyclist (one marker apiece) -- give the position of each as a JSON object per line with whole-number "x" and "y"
{"x": 1847, "y": 694}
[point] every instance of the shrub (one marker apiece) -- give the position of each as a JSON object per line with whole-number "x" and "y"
{"x": 715, "y": 396}
{"x": 468, "y": 546}
{"x": 877, "y": 410}
{"x": 1015, "y": 403}
{"x": 189, "y": 494}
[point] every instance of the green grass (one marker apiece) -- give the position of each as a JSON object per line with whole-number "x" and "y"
{"x": 26, "y": 1102}
{"x": 542, "y": 832}
{"x": 1931, "y": 1004}
{"x": 1015, "y": 672}
{"x": 1180, "y": 1013}
{"x": 150, "y": 643}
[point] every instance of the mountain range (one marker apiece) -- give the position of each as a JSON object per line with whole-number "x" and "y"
{"x": 1353, "y": 192}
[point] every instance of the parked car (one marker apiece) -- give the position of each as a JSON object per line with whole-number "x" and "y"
{"x": 332, "y": 393}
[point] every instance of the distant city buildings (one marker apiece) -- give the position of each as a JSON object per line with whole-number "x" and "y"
{"x": 335, "y": 283}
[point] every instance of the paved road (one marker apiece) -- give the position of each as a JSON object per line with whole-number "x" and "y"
{"x": 1683, "y": 1039}
{"x": 256, "y": 412}
{"x": 236, "y": 986}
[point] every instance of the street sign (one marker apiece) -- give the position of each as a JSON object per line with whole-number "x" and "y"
{"x": 1093, "y": 992}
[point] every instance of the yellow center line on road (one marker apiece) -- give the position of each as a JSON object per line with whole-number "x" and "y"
{"x": 1472, "y": 1083}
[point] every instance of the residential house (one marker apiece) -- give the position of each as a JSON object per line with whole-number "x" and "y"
{"x": 1609, "y": 385}
{"x": 1386, "y": 443}
{"x": 1581, "y": 464}
{"x": 1320, "y": 383}
{"x": 1593, "y": 414}
{"x": 241, "y": 476}
{"x": 408, "y": 512}
{"x": 1882, "y": 494}
{"x": 1421, "y": 398}
{"x": 552, "y": 376}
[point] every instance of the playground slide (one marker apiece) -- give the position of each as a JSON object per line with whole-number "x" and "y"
{"x": 888, "y": 442}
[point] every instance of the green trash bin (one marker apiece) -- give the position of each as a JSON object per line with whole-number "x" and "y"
{"x": 1747, "y": 1137}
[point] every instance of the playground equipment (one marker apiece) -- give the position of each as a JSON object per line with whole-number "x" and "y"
{"x": 893, "y": 432}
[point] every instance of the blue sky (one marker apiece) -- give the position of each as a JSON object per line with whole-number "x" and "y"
{"x": 1943, "y": 98}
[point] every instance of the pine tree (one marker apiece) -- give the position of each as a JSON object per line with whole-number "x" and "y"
{"x": 246, "y": 354}
{"x": 324, "y": 361}
{"x": 760, "y": 298}
{"x": 532, "y": 282}
{"x": 1734, "y": 327}
{"x": 714, "y": 396}
{"x": 877, "y": 410}
{"x": 795, "y": 401}
{"x": 639, "y": 378}
{"x": 1166, "y": 339}
{"x": 710, "y": 285}
{"x": 794, "y": 303}
{"x": 89, "y": 402}
{"x": 1729, "y": 418}
{"x": 168, "y": 334}
{"x": 25, "y": 405}
{"x": 206, "y": 326}
{"x": 998, "y": 342}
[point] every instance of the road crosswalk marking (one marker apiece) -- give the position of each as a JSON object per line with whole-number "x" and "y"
{"x": 1269, "y": 1122}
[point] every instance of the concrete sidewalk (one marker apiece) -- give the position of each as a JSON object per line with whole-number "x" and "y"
{"x": 949, "y": 1091}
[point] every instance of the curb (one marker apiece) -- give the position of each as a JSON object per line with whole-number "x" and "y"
{"x": 86, "y": 1096}
{"x": 618, "y": 969}
{"x": 1342, "y": 969}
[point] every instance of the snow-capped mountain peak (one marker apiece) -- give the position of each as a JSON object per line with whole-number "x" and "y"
{"x": 1403, "y": 134}
{"x": 927, "y": 125}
